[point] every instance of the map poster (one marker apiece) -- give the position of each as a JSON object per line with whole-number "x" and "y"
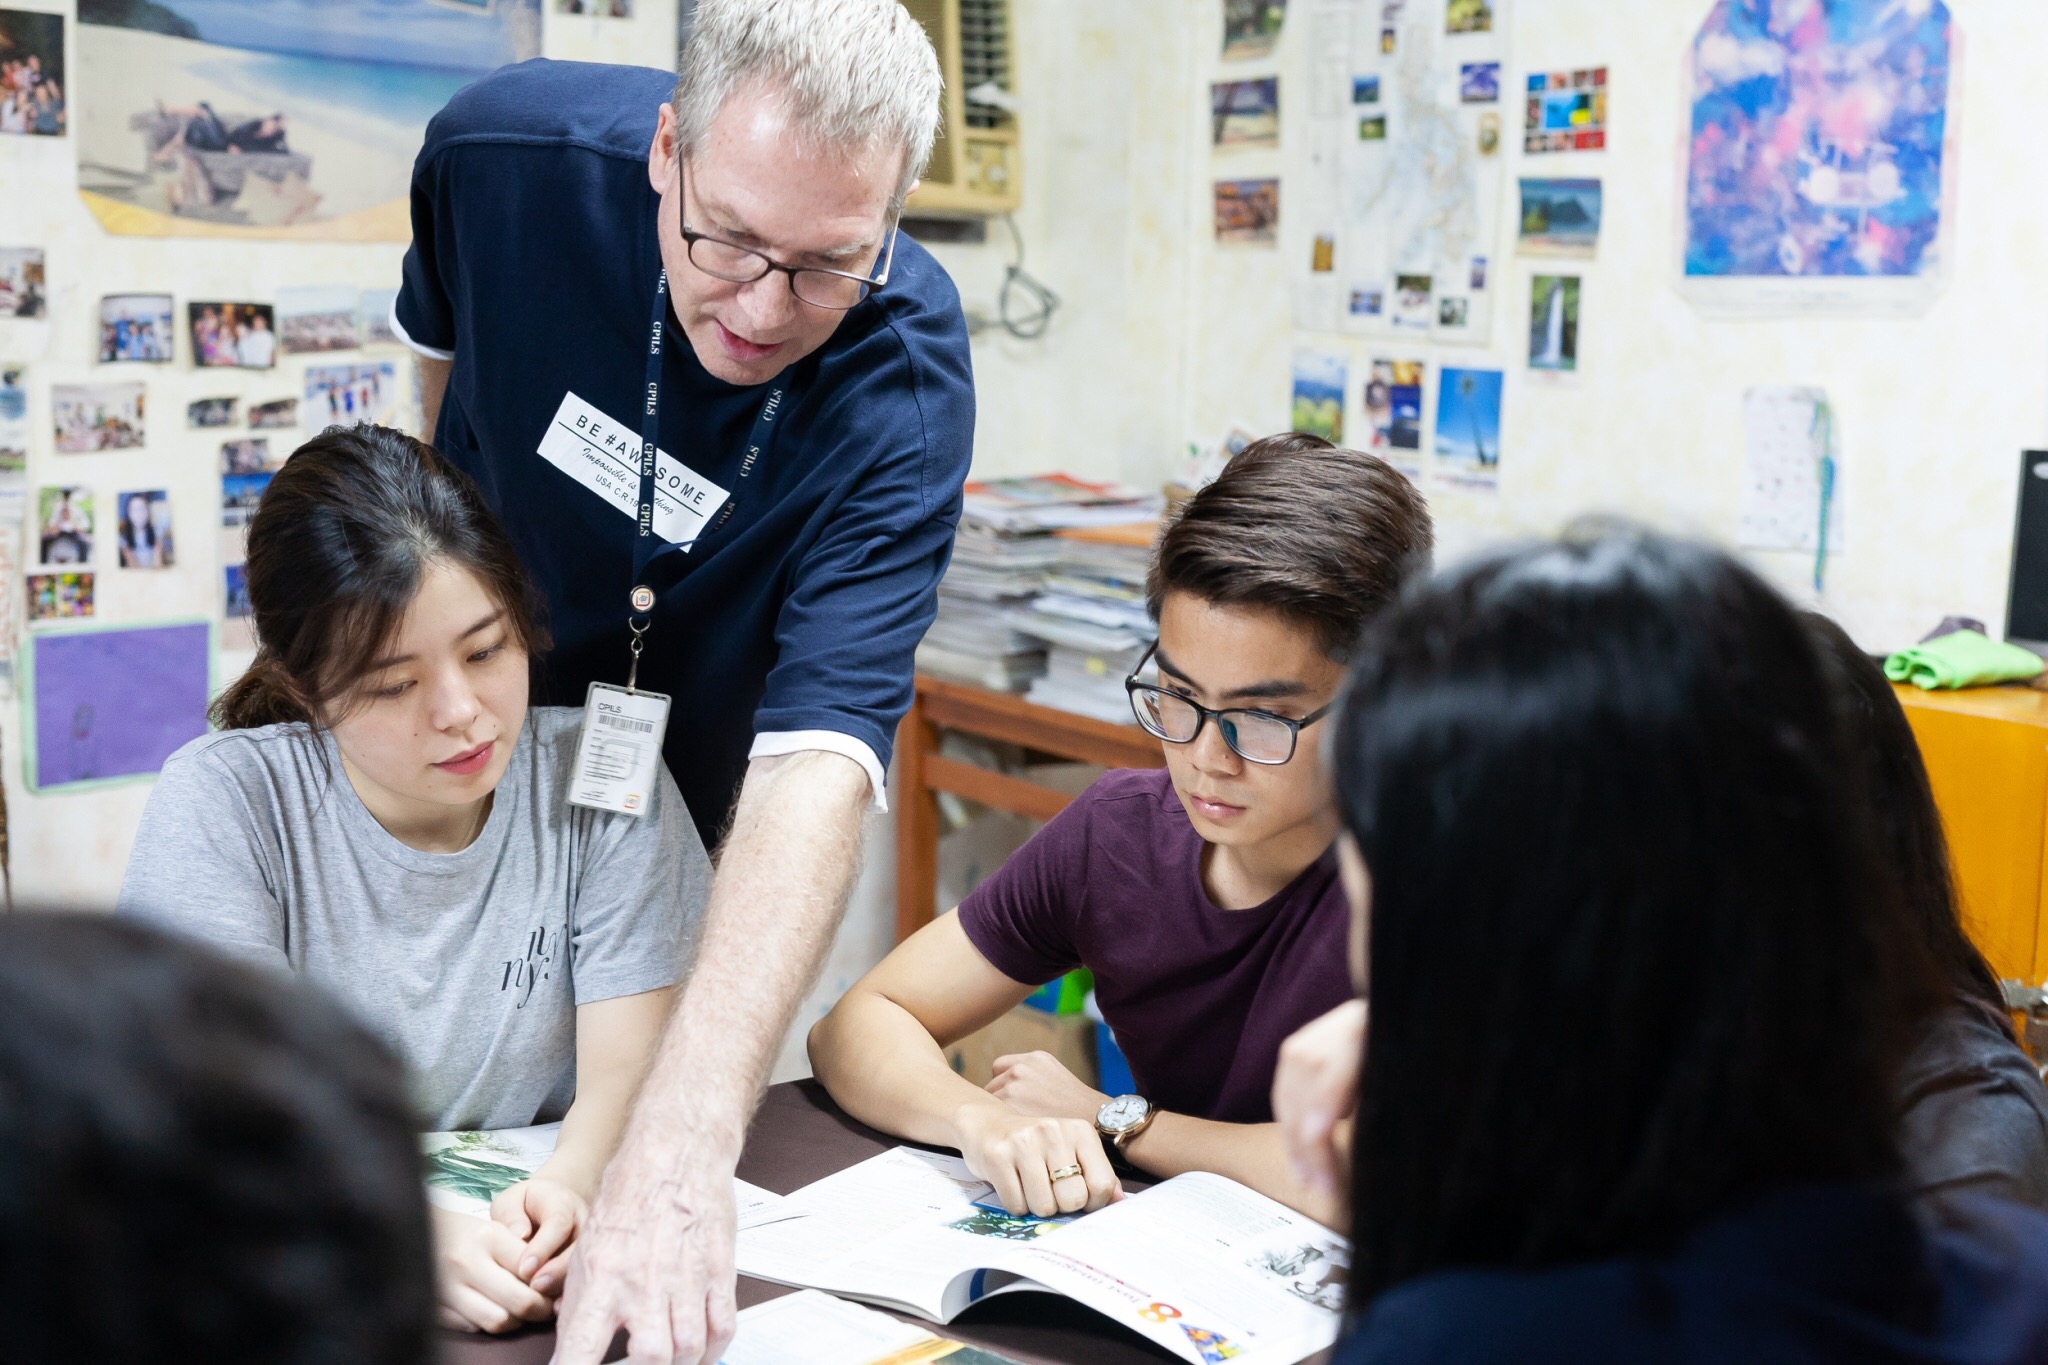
{"x": 1395, "y": 197}
{"x": 1820, "y": 155}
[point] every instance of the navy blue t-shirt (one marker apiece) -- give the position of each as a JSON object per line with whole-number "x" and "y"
{"x": 535, "y": 260}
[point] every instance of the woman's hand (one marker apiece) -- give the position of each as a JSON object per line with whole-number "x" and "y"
{"x": 476, "y": 1276}
{"x": 1315, "y": 1094}
{"x": 1019, "y": 1154}
{"x": 1035, "y": 1083}
{"x": 545, "y": 1214}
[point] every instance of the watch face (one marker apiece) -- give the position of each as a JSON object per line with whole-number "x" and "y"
{"x": 1121, "y": 1112}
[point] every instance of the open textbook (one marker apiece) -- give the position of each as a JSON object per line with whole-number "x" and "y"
{"x": 1206, "y": 1268}
{"x": 466, "y": 1170}
{"x": 809, "y": 1328}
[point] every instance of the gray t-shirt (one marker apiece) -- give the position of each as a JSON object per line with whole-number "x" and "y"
{"x": 471, "y": 964}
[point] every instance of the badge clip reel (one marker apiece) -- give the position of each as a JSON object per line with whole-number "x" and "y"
{"x": 618, "y": 757}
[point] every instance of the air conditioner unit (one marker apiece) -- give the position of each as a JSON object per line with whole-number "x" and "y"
{"x": 975, "y": 170}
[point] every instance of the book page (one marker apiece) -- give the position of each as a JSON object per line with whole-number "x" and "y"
{"x": 1206, "y": 1268}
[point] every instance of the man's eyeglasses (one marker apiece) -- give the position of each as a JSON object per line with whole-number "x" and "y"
{"x": 1254, "y": 736}
{"x": 838, "y": 290}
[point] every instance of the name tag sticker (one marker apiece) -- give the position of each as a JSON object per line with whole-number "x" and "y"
{"x": 604, "y": 456}
{"x": 620, "y": 750}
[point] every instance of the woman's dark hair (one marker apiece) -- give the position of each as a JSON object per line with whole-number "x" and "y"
{"x": 199, "y": 1161}
{"x": 1629, "y": 961}
{"x": 337, "y": 548}
{"x": 1908, "y": 826}
{"x": 1295, "y": 525}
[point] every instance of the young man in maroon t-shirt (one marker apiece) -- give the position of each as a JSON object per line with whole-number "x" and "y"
{"x": 1204, "y": 898}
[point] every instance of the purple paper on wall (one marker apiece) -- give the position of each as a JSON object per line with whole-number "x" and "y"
{"x": 117, "y": 703}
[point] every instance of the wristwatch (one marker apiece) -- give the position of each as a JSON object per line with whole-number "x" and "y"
{"x": 1124, "y": 1117}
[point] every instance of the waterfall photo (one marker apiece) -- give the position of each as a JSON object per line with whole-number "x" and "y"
{"x": 1554, "y": 322}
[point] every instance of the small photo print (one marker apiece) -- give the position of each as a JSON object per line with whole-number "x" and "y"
{"x": 1365, "y": 89}
{"x": 1554, "y": 323}
{"x": 64, "y": 519}
{"x": 274, "y": 415}
{"x": 1251, "y": 27}
{"x": 602, "y": 9}
{"x": 239, "y": 495}
{"x": 136, "y": 327}
{"x": 32, "y": 102}
{"x": 1368, "y": 301}
{"x": 243, "y": 335}
{"x": 1247, "y": 212}
{"x": 1559, "y": 217}
{"x": 373, "y": 311}
{"x": 13, "y": 418}
{"x": 1468, "y": 419}
{"x": 1319, "y": 394}
{"x": 1393, "y": 404}
{"x": 1414, "y": 300}
{"x": 1567, "y": 111}
{"x": 1489, "y": 133}
{"x": 1451, "y": 312}
{"x": 211, "y": 412}
{"x": 144, "y": 532}
{"x": 343, "y": 395}
{"x": 1245, "y": 113}
{"x": 1322, "y": 254}
{"x": 92, "y": 417}
{"x": 24, "y": 291}
{"x": 1468, "y": 16}
{"x": 320, "y": 317}
{"x": 1478, "y": 273}
{"x": 1372, "y": 128}
{"x": 251, "y": 456}
{"x": 235, "y": 600}
{"x": 1479, "y": 83}
{"x": 59, "y": 596}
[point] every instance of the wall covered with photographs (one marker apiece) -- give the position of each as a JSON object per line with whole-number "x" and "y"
{"x": 149, "y": 384}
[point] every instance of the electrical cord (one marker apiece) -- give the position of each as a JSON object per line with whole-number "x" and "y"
{"x": 1042, "y": 302}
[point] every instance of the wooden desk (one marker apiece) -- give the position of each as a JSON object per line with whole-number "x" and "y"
{"x": 800, "y": 1136}
{"x": 922, "y": 773}
{"x": 1986, "y": 750}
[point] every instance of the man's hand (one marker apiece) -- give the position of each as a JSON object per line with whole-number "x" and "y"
{"x": 1034, "y": 1083}
{"x": 545, "y": 1214}
{"x": 1019, "y": 1154}
{"x": 656, "y": 1259}
{"x": 1315, "y": 1094}
{"x": 476, "y": 1274}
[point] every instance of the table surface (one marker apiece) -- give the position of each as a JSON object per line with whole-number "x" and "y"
{"x": 800, "y": 1136}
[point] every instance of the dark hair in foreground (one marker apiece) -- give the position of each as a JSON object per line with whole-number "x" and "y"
{"x": 198, "y": 1162}
{"x": 1295, "y": 525}
{"x": 337, "y": 549}
{"x": 1908, "y": 825}
{"x": 1629, "y": 964}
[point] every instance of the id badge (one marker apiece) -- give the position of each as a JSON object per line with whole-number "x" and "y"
{"x": 619, "y": 754}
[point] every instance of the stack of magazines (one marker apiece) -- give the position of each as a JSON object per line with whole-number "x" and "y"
{"x": 1054, "y": 502}
{"x": 1092, "y": 619}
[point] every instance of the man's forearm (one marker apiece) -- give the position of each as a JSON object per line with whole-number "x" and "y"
{"x": 782, "y": 882}
{"x": 433, "y": 388}
{"x": 883, "y": 1067}
{"x": 1252, "y": 1154}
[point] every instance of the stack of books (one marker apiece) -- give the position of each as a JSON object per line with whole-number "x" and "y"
{"x": 1092, "y": 618}
{"x": 1054, "y": 502}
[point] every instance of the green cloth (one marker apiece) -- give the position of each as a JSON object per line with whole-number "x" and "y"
{"x": 1965, "y": 658}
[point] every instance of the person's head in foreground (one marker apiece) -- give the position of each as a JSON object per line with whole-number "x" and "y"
{"x": 1637, "y": 986}
{"x": 773, "y": 137}
{"x": 198, "y": 1162}
{"x": 391, "y": 610}
{"x": 1973, "y": 1111}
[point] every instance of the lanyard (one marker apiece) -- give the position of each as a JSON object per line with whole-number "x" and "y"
{"x": 647, "y": 545}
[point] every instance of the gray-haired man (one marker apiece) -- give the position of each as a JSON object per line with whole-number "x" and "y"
{"x": 572, "y": 227}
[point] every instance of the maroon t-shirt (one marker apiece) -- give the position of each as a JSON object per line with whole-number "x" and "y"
{"x": 1200, "y": 998}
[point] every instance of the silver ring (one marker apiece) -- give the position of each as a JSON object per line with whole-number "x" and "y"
{"x": 1064, "y": 1172}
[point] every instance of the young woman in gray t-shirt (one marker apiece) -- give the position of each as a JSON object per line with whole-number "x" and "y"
{"x": 382, "y": 813}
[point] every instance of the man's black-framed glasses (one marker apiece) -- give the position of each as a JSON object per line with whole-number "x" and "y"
{"x": 837, "y": 290}
{"x": 1254, "y": 736}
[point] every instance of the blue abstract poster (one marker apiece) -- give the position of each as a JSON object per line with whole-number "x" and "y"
{"x": 1817, "y": 139}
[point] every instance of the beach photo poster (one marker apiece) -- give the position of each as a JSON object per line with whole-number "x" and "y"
{"x": 1468, "y": 424}
{"x": 32, "y": 84}
{"x": 137, "y": 327}
{"x": 1245, "y": 113}
{"x": 1554, "y": 323}
{"x": 143, "y": 532}
{"x": 1318, "y": 406}
{"x": 115, "y": 702}
{"x": 258, "y": 118}
{"x": 1559, "y": 218}
{"x": 24, "y": 289}
{"x": 1251, "y": 28}
{"x": 90, "y": 417}
{"x": 343, "y": 395}
{"x": 318, "y": 317}
{"x": 64, "y": 525}
{"x": 1248, "y": 212}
